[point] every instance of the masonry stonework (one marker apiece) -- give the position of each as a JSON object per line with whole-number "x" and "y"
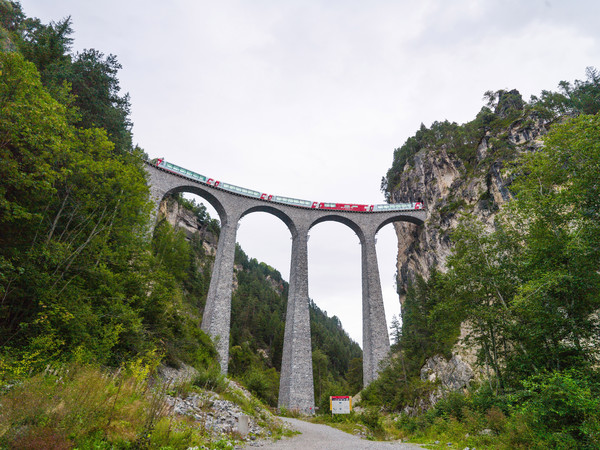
{"x": 296, "y": 381}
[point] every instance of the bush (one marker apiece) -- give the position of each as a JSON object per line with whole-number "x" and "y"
{"x": 264, "y": 384}
{"x": 373, "y": 420}
{"x": 453, "y": 405}
{"x": 210, "y": 378}
{"x": 562, "y": 407}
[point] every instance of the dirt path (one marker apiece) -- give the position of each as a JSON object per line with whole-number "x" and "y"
{"x": 316, "y": 436}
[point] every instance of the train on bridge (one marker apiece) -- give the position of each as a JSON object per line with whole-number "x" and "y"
{"x": 170, "y": 167}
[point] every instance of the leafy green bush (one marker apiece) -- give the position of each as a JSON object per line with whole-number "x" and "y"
{"x": 264, "y": 383}
{"x": 562, "y": 407}
{"x": 372, "y": 418}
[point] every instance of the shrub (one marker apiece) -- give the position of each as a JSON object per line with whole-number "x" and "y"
{"x": 210, "y": 378}
{"x": 373, "y": 420}
{"x": 264, "y": 384}
{"x": 562, "y": 407}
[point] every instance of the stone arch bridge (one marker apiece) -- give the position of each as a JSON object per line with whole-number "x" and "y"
{"x": 296, "y": 381}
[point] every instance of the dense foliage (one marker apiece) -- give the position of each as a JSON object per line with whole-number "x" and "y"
{"x": 86, "y": 81}
{"x": 77, "y": 279}
{"x": 527, "y": 293}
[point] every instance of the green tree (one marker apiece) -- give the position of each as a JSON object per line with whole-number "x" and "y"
{"x": 93, "y": 77}
{"x": 579, "y": 97}
{"x": 355, "y": 375}
{"x": 557, "y": 210}
{"x": 396, "y": 330}
{"x": 47, "y": 46}
{"x": 11, "y": 15}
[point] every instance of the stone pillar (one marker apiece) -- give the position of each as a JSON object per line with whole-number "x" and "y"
{"x": 156, "y": 196}
{"x": 217, "y": 312}
{"x": 157, "y": 192}
{"x": 376, "y": 340}
{"x": 296, "y": 390}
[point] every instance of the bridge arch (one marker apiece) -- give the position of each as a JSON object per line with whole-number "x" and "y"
{"x": 269, "y": 209}
{"x": 296, "y": 388}
{"x": 343, "y": 220}
{"x": 397, "y": 218}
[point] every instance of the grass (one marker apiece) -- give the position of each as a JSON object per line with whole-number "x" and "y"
{"x": 87, "y": 407}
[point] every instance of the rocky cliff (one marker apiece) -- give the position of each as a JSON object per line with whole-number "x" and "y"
{"x": 455, "y": 170}
{"x": 450, "y": 185}
{"x": 184, "y": 218}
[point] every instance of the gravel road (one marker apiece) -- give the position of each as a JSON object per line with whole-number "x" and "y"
{"x": 316, "y": 436}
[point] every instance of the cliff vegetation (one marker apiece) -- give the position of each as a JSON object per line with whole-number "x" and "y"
{"x": 504, "y": 276}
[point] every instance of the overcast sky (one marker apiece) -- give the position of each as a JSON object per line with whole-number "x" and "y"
{"x": 309, "y": 99}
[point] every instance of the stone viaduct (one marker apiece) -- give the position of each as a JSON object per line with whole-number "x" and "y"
{"x": 296, "y": 381}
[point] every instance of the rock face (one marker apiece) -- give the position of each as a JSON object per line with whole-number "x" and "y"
{"x": 448, "y": 375}
{"x": 449, "y": 186}
{"x": 453, "y": 375}
{"x": 185, "y": 220}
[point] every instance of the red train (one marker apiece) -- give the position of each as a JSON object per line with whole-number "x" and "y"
{"x": 352, "y": 207}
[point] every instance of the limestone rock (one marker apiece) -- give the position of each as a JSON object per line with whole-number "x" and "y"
{"x": 452, "y": 375}
{"x": 185, "y": 220}
{"x": 447, "y": 187}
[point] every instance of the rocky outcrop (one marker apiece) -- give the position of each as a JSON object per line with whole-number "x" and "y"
{"x": 452, "y": 375}
{"x": 185, "y": 220}
{"x": 209, "y": 410}
{"x": 219, "y": 416}
{"x": 448, "y": 187}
